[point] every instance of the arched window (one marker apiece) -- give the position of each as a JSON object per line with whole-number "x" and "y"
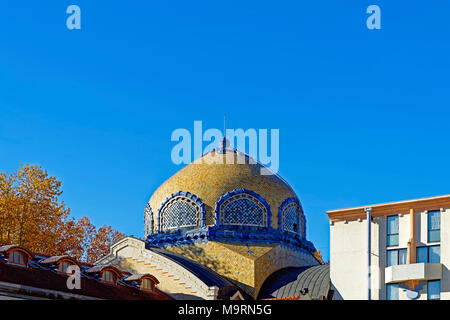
{"x": 108, "y": 276}
{"x": 242, "y": 207}
{"x": 291, "y": 216}
{"x": 18, "y": 257}
{"x": 148, "y": 221}
{"x": 182, "y": 210}
{"x": 63, "y": 266}
{"x": 147, "y": 284}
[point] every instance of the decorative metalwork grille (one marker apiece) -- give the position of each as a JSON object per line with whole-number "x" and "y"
{"x": 243, "y": 209}
{"x": 291, "y": 218}
{"x": 180, "y": 212}
{"x": 148, "y": 221}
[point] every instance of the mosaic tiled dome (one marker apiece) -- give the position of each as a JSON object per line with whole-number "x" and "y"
{"x": 225, "y": 213}
{"x": 218, "y": 172}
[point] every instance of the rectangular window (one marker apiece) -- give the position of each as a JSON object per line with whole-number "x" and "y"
{"x": 434, "y": 254}
{"x": 402, "y": 256}
{"x": 434, "y": 290}
{"x": 392, "y": 291}
{"x": 422, "y": 255}
{"x": 392, "y": 231}
{"x": 434, "y": 226}
{"x": 392, "y": 258}
{"x": 396, "y": 256}
{"x": 431, "y": 254}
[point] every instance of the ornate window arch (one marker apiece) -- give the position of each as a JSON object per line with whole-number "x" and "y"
{"x": 291, "y": 218}
{"x": 181, "y": 209}
{"x": 242, "y": 208}
{"x": 16, "y": 255}
{"x": 148, "y": 221}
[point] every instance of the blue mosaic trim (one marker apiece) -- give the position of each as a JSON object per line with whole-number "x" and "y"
{"x": 185, "y": 236}
{"x": 302, "y": 219}
{"x": 231, "y": 233}
{"x": 233, "y": 193}
{"x": 187, "y": 195}
{"x": 203, "y": 235}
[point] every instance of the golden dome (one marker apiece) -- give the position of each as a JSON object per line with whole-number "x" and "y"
{"x": 216, "y": 173}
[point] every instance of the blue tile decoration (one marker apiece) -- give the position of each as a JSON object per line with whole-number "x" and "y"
{"x": 243, "y": 208}
{"x": 291, "y": 218}
{"x": 180, "y": 210}
{"x": 241, "y": 215}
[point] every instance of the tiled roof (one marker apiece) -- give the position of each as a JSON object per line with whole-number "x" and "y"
{"x": 206, "y": 275}
{"x": 209, "y": 277}
{"x": 209, "y": 180}
{"x": 6, "y": 248}
{"x": 52, "y": 259}
{"x": 285, "y": 298}
{"x": 134, "y": 277}
{"x": 291, "y": 282}
{"x": 41, "y": 278}
{"x": 96, "y": 269}
{"x": 137, "y": 277}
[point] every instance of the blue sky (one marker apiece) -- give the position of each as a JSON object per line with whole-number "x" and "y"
{"x": 363, "y": 114}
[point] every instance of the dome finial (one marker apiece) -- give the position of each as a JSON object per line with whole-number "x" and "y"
{"x": 224, "y": 143}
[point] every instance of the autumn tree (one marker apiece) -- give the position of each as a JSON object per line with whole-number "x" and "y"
{"x": 100, "y": 241}
{"x": 32, "y": 215}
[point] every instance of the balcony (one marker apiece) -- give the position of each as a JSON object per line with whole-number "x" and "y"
{"x": 414, "y": 271}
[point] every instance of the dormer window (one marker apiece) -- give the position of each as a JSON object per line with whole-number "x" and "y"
{"x": 17, "y": 257}
{"x": 63, "y": 266}
{"x": 60, "y": 264}
{"x": 147, "y": 284}
{"x": 108, "y": 276}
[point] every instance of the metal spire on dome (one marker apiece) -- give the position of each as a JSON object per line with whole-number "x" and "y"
{"x": 224, "y": 143}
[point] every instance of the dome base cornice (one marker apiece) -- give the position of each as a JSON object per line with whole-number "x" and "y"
{"x": 197, "y": 235}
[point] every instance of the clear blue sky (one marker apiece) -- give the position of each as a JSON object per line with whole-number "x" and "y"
{"x": 363, "y": 114}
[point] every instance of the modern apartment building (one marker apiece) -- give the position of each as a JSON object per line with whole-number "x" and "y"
{"x": 409, "y": 246}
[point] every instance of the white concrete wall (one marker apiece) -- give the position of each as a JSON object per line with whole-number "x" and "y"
{"x": 445, "y": 254}
{"x": 348, "y": 259}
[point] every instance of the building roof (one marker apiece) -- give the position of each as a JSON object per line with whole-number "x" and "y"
{"x": 209, "y": 181}
{"x": 139, "y": 276}
{"x": 209, "y": 277}
{"x": 285, "y": 298}
{"x": 40, "y": 280}
{"x": 206, "y": 275}
{"x": 6, "y": 248}
{"x": 420, "y": 204}
{"x": 291, "y": 282}
{"x": 55, "y": 259}
{"x": 9, "y": 247}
